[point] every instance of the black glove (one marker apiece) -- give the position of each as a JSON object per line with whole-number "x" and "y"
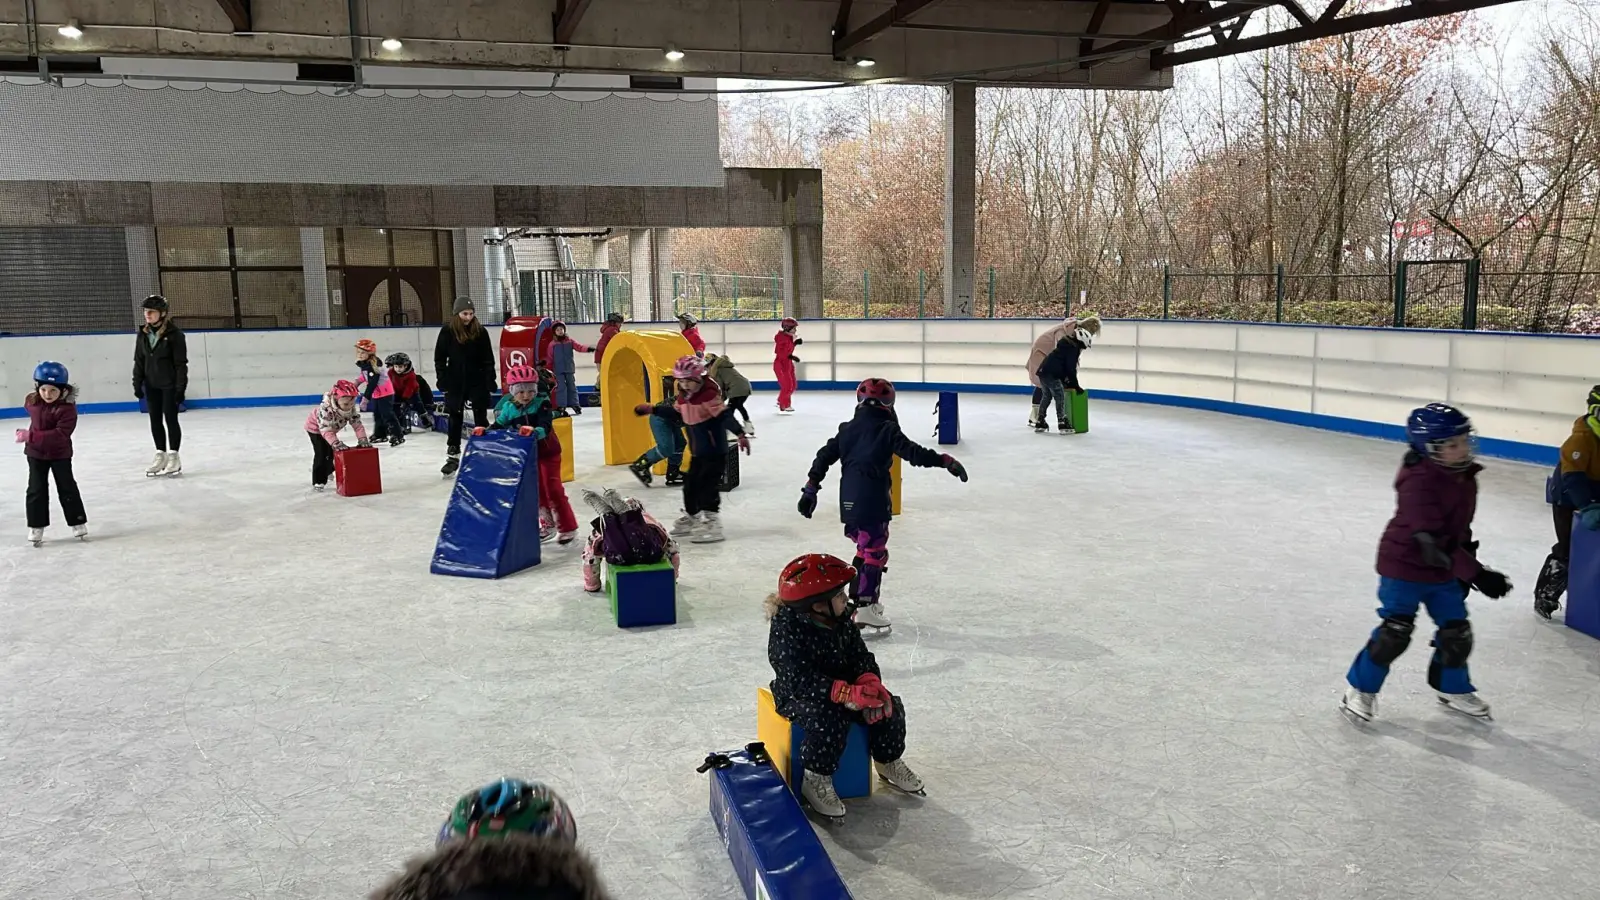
{"x": 799, "y": 341}
{"x": 179, "y": 399}
{"x": 138, "y": 392}
{"x": 808, "y": 500}
{"x": 793, "y": 358}
{"x": 1492, "y": 584}
{"x": 954, "y": 466}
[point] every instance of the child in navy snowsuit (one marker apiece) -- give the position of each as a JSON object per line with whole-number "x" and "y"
{"x": 1427, "y": 558}
{"x": 1059, "y": 374}
{"x": 865, "y": 447}
{"x": 561, "y": 350}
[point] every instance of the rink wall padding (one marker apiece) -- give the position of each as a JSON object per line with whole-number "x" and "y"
{"x": 491, "y": 527}
{"x": 1522, "y": 390}
{"x": 769, "y": 840}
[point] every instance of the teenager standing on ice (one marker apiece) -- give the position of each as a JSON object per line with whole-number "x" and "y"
{"x": 47, "y": 443}
{"x": 463, "y": 363}
{"x": 865, "y": 447}
{"x": 160, "y": 379}
{"x": 783, "y": 362}
{"x": 1427, "y": 558}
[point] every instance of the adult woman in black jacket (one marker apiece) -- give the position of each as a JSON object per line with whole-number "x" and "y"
{"x": 463, "y": 363}
{"x": 160, "y": 379}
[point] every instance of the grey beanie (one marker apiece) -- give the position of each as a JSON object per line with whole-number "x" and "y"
{"x": 462, "y": 304}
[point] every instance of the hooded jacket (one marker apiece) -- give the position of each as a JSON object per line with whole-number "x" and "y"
{"x": 807, "y": 657}
{"x": 537, "y": 415}
{"x": 1062, "y": 363}
{"x": 864, "y": 448}
{"x": 734, "y": 385}
{"x": 1429, "y": 539}
{"x": 1044, "y": 344}
{"x": 607, "y": 332}
{"x": 1576, "y": 479}
{"x": 515, "y": 867}
{"x": 328, "y": 420}
{"x": 50, "y": 426}
{"x": 462, "y": 367}
{"x": 707, "y": 420}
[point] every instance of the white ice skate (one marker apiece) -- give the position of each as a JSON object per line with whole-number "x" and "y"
{"x": 709, "y": 531}
{"x": 818, "y": 793}
{"x": 566, "y": 537}
{"x": 685, "y": 525}
{"x": 785, "y": 410}
{"x": 36, "y": 536}
{"x": 173, "y": 467}
{"x": 1468, "y": 704}
{"x": 81, "y": 532}
{"x": 900, "y": 777}
{"x": 156, "y": 467}
{"x": 871, "y": 616}
{"x": 750, "y": 429}
{"x": 1360, "y": 704}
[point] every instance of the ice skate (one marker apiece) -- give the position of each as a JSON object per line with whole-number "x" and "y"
{"x": 319, "y": 488}
{"x": 451, "y": 464}
{"x": 709, "y": 531}
{"x": 156, "y": 467}
{"x": 674, "y": 475}
{"x": 1065, "y": 427}
{"x": 1359, "y": 704}
{"x": 870, "y": 615}
{"x": 1040, "y": 426}
{"x": 547, "y": 527}
{"x": 397, "y": 440}
{"x": 1468, "y": 704}
{"x": 566, "y": 537}
{"x": 750, "y": 429}
{"x": 1035, "y": 421}
{"x": 641, "y": 470}
{"x": 173, "y": 467}
{"x": 1551, "y": 585}
{"x": 81, "y": 532}
{"x": 685, "y": 525}
{"x": 899, "y": 776}
{"x": 615, "y": 501}
{"x": 785, "y": 410}
{"x": 597, "y": 502}
{"x": 36, "y": 536}
{"x": 818, "y": 793}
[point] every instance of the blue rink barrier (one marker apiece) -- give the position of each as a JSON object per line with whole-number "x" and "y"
{"x": 768, "y": 837}
{"x": 491, "y": 528}
{"x": 1583, "y": 581}
{"x": 948, "y": 411}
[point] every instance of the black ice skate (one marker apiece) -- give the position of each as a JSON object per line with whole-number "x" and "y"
{"x": 451, "y": 464}
{"x": 641, "y": 470}
{"x": 1551, "y": 585}
{"x": 674, "y": 474}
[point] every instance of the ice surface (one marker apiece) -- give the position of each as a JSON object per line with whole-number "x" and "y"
{"x": 1120, "y": 654}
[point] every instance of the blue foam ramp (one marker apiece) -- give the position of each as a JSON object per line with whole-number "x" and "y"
{"x": 769, "y": 839}
{"x": 491, "y": 528}
{"x": 949, "y": 412}
{"x": 1583, "y": 581}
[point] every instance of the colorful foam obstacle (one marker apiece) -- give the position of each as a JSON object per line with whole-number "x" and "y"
{"x": 642, "y": 595}
{"x": 1078, "y": 402}
{"x": 948, "y": 413}
{"x": 356, "y": 472}
{"x": 894, "y": 486}
{"x": 525, "y": 341}
{"x": 1583, "y": 581}
{"x": 491, "y": 528}
{"x": 569, "y": 468}
{"x": 783, "y": 740}
{"x": 630, "y": 374}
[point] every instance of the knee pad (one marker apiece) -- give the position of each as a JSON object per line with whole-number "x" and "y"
{"x": 1392, "y": 639}
{"x": 877, "y": 557}
{"x": 1454, "y": 643}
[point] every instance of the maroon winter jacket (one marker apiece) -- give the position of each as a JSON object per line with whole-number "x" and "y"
{"x": 50, "y": 426}
{"x": 1439, "y": 502}
{"x": 607, "y": 332}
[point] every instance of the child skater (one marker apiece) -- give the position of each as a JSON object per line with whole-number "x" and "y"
{"x": 337, "y": 410}
{"x": 526, "y": 408}
{"x": 825, "y": 679}
{"x": 1043, "y": 345}
{"x": 378, "y": 391}
{"x": 666, "y": 425}
{"x": 594, "y": 547}
{"x": 783, "y": 360}
{"x": 47, "y": 443}
{"x": 708, "y": 423}
{"x": 1574, "y": 487}
{"x": 411, "y": 392}
{"x": 1059, "y": 374}
{"x": 735, "y": 387}
{"x": 561, "y": 350}
{"x": 509, "y": 840}
{"x": 865, "y": 447}
{"x": 1427, "y": 558}
{"x": 691, "y": 333}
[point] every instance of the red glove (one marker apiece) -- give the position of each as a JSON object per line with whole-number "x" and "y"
{"x": 870, "y": 682}
{"x": 477, "y": 432}
{"x": 642, "y": 409}
{"x": 854, "y": 697}
{"x": 525, "y": 431}
{"x": 744, "y": 443}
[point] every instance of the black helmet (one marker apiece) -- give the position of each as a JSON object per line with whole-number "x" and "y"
{"x": 397, "y": 359}
{"x": 155, "y": 302}
{"x": 615, "y": 317}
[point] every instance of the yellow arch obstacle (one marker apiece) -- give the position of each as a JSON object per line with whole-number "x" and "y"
{"x": 631, "y": 373}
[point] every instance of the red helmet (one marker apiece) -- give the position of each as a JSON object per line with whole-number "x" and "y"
{"x": 788, "y": 323}
{"x": 689, "y": 367}
{"x": 878, "y": 390}
{"x": 344, "y": 388}
{"x": 813, "y": 575}
{"x": 521, "y": 375}
{"x": 366, "y": 346}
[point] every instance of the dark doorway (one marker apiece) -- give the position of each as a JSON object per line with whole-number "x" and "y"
{"x": 391, "y": 295}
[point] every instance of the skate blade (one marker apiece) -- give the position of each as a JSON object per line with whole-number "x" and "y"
{"x": 1352, "y": 715}
{"x": 922, "y": 792}
{"x": 1486, "y": 717}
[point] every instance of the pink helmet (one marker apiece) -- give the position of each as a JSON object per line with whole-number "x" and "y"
{"x": 788, "y": 323}
{"x": 342, "y": 388}
{"x": 877, "y": 390}
{"x": 521, "y": 375}
{"x": 689, "y": 367}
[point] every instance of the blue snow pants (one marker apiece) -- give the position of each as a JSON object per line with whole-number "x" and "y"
{"x": 669, "y": 443}
{"x": 1445, "y": 603}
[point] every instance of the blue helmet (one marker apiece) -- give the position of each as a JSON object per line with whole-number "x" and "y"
{"x": 1433, "y": 424}
{"x": 50, "y": 373}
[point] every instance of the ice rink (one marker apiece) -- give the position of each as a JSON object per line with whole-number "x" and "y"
{"x": 1120, "y": 655}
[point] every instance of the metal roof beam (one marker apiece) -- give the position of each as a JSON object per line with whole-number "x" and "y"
{"x": 238, "y": 13}
{"x": 902, "y": 10}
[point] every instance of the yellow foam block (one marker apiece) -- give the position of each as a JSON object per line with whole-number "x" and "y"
{"x": 630, "y": 374}
{"x": 569, "y": 468}
{"x": 773, "y": 731}
{"x": 894, "y": 487}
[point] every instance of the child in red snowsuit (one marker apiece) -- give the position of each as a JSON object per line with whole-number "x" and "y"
{"x": 783, "y": 360}
{"x": 526, "y": 406}
{"x": 691, "y": 333}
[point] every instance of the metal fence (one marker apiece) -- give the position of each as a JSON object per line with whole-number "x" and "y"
{"x": 574, "y": 295}
{"x": 728, "y": 296}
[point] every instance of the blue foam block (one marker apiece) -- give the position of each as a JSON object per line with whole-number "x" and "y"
{"x": 770, "y": 842}
{"x": 491, "y": 528}
{"x": 949, "y": 411}
{"x": 853, "y": 778}
{"x": 643, "y": 595}
{"x": 1583, "y": 581}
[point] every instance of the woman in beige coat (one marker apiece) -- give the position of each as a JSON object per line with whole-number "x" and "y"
{"x": 1042, "y": 345}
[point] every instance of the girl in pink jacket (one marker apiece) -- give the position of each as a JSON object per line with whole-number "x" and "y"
{"x": 377, "y": 392}
{"x": 337, "y": 410}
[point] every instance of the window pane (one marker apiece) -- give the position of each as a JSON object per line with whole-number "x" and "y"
{"x": 192, "y": 246}
{"x": 413, "y": 248}
{"x": 266, "y": 247}
{"x": 272, "y": 299}
{"x": 199, "y": 299}
{"x": 365, "y": 247}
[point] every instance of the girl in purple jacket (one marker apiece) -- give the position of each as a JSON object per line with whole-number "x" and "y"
{"x": 47, "y": 442}
{"x": 1427, "y": 558}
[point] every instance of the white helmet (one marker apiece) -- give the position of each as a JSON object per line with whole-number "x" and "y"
{"x": 1084, "y": 337}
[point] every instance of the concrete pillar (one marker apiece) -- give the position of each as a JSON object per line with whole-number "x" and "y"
{"x": 641, "y": 272}
{"x": 497, "y": 278}
{"x": 661, "y": 250}
{"x": 478, "y": 271}
{"x": 314, "y": 264}
{"x": 144, "y": 267}
{"x": 960, "y": 196}
{"x": 802, "y": 271}
{"x": 602, "y": 254}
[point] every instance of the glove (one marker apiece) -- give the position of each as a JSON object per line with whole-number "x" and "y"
{"x": 180, "y": 399}
{"x": 744, "y": 443}
{"x": 871, "y": 682}
{"x": 642, "y": 409}
{"x": 854, "y": 697}
{"x": 955, "y": 467}
{"x": 808, "y": 500}
{"x": 1492, "y": 584}
{"x": 138, "y": 392}
{"x": 478, "y": 431}
{"x": 363, "y": 443}
{"x": 1589, "y": 516}
{"x": 525, "y": 431}
{"x": 22, "y": 435}
{"x": 794, "y": 359}
{"x": 799, "y": 341}
{"x": 339, "y": 446}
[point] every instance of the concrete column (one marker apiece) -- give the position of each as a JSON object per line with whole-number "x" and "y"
{"x": 642, "y": 273}
{"x": 144, "y": 267}
{"x": 960, "y": 196}
{"x": 497, "y": 278}
{"x": 478, "y": 270}
{"x": 661, "y": 239}
{"x": 602, "y": 254}
{"x": 802, "y": 271}
{"x": 314, "y": 264}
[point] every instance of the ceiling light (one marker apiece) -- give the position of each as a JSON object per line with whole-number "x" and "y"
{"x": 674, "y": 54}
{"x": 392, "y": 44}
{"x": 866, "y": 62}
{"x": 70, "y": 30}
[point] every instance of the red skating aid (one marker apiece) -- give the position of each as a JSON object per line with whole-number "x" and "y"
{"x": 357, "y": 472}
